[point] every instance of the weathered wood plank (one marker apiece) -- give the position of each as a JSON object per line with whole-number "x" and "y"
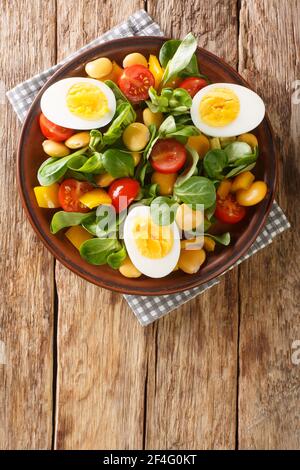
{"x": 269, "y": 398}
{"x": 192, "y": 366}
{"x": 101, "y": 347}
{"x": 26, "y": 298}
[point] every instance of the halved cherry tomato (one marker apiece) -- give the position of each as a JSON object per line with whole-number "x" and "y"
{"x": 122, "y": 192}
{"x": 228, "y": 210}
{"x": 168, "y": 156}
{"x": 53, "y": 131}
{"x": 193, "y": 84}
{"x": 135, "y": 82}
{"x": 69, "y": 193}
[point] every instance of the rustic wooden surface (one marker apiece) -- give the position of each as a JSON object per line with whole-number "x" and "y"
{"x": 80, "y": 372}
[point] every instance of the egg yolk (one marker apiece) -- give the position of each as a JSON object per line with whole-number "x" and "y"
{"x": 87, "y": 101}
{"x": 219, "y": 107}
{"x": 153, "y": 241}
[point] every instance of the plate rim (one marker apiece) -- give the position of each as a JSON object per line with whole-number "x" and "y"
{"x": 73, "y": 266}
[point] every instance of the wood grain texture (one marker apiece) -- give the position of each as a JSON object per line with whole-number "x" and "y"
{"x": 101, "y": 346}
{"x": 193, "y": 364}
{"x": 26, "y": 269}
{"x": 269, "y": 391}
{"x": 175, "y": 384}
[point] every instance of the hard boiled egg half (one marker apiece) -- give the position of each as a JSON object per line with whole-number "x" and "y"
{"x": 153, "y": 249}
{"x": 226, "y": 109}
{"x": 79, "y": 103}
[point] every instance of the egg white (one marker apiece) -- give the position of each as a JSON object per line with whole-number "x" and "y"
{"x": 54, "y": 105}
{"x": 155, "y": 268}
{"x": 252, "y": 111}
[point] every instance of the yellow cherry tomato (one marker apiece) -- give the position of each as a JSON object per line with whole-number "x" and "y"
{"x": 77, "y": 235}
{"x": 47, "y": 196}
{"x": 252, "y": 195}
{"x": 152, "y": 118}
{"x": 242, "y": 181}
{"x": 136, "y": 136}
{"x": 224, "y": 188}
{"x": 128, "y": 269}
{"x": 250, "y": 139}
{"x": 190, "y": 261}
{"x": 156, "y": 70}
{"x": 200, "y": 143}
{"x": 135, "y": 58}
{"x": 165, "y": 182}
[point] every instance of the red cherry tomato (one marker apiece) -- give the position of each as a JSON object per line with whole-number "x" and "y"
{"x": 123, "y": 192}
{"x": 228, "y": 210}
{"x": 168, "y": 156}
{"x": 69, "y": 193}
{"x": 135, "y": 82}
{"x": 193, "y": 84}
{"x": 53, "y": 131}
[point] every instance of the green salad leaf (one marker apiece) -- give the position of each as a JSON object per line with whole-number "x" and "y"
{"x": 175, "y": 102}
{"x": 214, "y": 163}
{"x": 119, "y": 95}
{"x": 196, "y": 190}
{"x": 107, "y": 222}
{"x": 168, "y": 50}
{"x": 54, "y": 168}
{"x": 64, "y": 219}
{"x": 124, "y": 116}
{"x": 152, "y": 141}
{"x": 163, "y": 210}
{"x": 91, "y": 165}
{"x": 96, "y": 250}
{"x": 169, "y": 128}
{"x": 180, "y": 59}
{"x": 115, "y": 259}
{"x": 148, "y": 193}
{"x": 118, "y": 163}
{"x": 223, "y": 239}
{"x": 190, "y": 170}
{"x": 96, "y": 140}
{"x": 236, "y": 151}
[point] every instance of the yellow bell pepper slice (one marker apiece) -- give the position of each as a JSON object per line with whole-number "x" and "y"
{"x": 77, "y": 235}
{"x": 104, "y": 180}
{"x": 156, "y": 70}
{"x": 94, "y": 198}
{"x": 47, "y": 196}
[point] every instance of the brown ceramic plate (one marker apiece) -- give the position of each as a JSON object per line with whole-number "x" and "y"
{"x": 30, "y": 156}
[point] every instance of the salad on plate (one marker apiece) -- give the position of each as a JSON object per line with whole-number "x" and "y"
{"x": 144, "y": 159}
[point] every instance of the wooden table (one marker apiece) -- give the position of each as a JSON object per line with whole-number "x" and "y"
{"x": 220, "y": 373}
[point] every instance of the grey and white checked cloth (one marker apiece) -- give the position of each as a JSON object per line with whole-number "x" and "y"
{"x": 147, "y": 309}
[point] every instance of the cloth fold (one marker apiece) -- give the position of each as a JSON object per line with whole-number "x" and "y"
{"x": 147, "y": 309}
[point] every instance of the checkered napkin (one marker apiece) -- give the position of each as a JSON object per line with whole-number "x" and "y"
{"x": 146, "y": 309}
